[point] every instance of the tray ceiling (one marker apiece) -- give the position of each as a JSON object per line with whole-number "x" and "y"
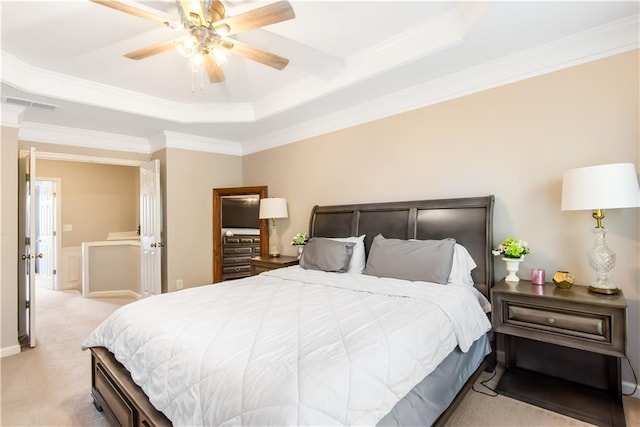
{"x": 350, "y": 62}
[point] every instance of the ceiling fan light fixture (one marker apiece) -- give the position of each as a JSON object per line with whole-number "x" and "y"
{"x": 220, "y": 55}
{"x": 195, "y": 62}
{"x": 188, "y": 46}
{"x": 222, "y": 30}
{"x": 203, "y": 29}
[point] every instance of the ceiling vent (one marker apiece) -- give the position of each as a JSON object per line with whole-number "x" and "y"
{"x": 27, "y": 103}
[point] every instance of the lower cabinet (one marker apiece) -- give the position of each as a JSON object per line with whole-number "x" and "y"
{"x": 237, "y": 251}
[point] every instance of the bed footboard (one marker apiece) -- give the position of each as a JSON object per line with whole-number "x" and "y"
{"x": 117, "y": 396}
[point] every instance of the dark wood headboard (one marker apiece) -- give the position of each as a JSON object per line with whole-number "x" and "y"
{"x": 468, "y": 220}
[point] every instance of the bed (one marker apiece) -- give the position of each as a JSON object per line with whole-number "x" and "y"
{"x": 311, "y": 346}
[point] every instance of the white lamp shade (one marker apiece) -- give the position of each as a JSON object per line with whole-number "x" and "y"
{"x": 600, "y": 187}
{"x": 274, "y": 207}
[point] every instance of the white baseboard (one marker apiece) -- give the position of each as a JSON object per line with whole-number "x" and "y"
{"x": 111, "y": 294}
{"x": 9, "y": 351}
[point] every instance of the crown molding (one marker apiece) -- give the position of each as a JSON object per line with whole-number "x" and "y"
{"x": 441, "y": 32}
{"x": 82, "y": 138}
{"x": 607, "y": 40}
{"x": 46, "y": 83}
{"x": 108, "y": 141}
{"x": 46, "y": 155}
{"x": 200, "y": 143}
{"x": 12, "y": 115}
{"x": 601, "y": 42}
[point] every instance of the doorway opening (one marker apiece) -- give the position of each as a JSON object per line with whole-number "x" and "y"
{"x": 47, "y": 192}
{"x": 40, "y": 231}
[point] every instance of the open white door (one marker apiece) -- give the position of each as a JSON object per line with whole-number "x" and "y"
{"x": 150, "y": 229}
{"x": 26, "y": 263}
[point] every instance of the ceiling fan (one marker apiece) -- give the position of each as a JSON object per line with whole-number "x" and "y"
{"x": 205, "y": 27}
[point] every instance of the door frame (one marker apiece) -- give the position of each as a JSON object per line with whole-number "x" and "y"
{"x": 58, "y": 212}
{"x": 46, "y": 155}
{"x": 263, "y": 192}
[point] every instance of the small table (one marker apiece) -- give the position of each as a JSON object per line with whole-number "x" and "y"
{"x": 562, "y": 348}
{"x": 261, "y": 264}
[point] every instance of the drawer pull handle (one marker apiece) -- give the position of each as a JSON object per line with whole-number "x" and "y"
{"x": 551, "y": 320}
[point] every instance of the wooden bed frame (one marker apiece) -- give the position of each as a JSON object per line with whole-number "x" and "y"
{"x": 468, "y": 220}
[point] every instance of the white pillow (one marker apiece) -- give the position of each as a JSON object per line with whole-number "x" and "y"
{"x": 358, "y": 261}
{"x": 463, "y": 263}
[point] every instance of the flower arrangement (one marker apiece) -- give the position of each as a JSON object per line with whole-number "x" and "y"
{"x": 511, "y": 248}
{"x": 300, "y": 239}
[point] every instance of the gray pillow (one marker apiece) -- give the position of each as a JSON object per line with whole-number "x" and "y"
{"x": 327, "y": 255}
{"x": 425, "y": 260}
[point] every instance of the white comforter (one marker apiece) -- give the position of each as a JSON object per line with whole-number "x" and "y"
{"x": 290, "y": 346}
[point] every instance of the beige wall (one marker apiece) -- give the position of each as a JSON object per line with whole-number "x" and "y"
{"x": 9, "y": 242}
{"x": 96, "y": 198}
{"x": 514, "y": 142}
{"x": 191, "y": 177}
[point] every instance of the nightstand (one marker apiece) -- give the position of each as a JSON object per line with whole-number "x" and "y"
{"x": 261, "y": 264}
{"x": 562, "y": 349}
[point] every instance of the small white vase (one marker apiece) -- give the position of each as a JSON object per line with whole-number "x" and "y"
{"x": 513, "y": 264}
{"x": 300, "y": 249}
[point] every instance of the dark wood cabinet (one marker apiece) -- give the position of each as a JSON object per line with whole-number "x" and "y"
{"x": 237, "y": 251}
{"x": 562, "y": 349}
{"x": 264, "y": 263}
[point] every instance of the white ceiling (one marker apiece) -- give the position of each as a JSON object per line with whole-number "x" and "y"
{"x": 350, "y": 62}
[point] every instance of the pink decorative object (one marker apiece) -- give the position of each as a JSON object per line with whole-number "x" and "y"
{"x": 537, "y": 276}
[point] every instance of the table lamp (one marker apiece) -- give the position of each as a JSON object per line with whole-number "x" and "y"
{"x": 272, "y": 208}
{"x": 598, "y": 188}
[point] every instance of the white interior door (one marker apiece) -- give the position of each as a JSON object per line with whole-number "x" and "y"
{"x": 150, "y": 229}
{"x": 26, "y": 262}
{"x": 46, "y": 234}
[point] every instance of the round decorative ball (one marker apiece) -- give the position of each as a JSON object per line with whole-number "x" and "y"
{"x": 563, "y": 279}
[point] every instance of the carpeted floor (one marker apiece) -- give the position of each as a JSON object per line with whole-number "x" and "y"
{"x": 49, "y": 385}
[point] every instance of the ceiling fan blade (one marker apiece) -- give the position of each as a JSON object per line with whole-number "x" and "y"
{"x": 261, "y": 56}
{"x": 193, "y": 6}
{"x": 153, "y": 49}
{"x": 132, "y": 11}
{"x": 213, "y": 69}
{"x": 256, "y": 18}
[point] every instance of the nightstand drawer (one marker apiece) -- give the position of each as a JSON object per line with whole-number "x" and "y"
{"x": 568, "y": 317}
{"x": 595, "y": 327}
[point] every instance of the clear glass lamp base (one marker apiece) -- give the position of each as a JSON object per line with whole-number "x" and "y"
{"x": 602, "y": 260}
{"x": 274, "y": 242}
